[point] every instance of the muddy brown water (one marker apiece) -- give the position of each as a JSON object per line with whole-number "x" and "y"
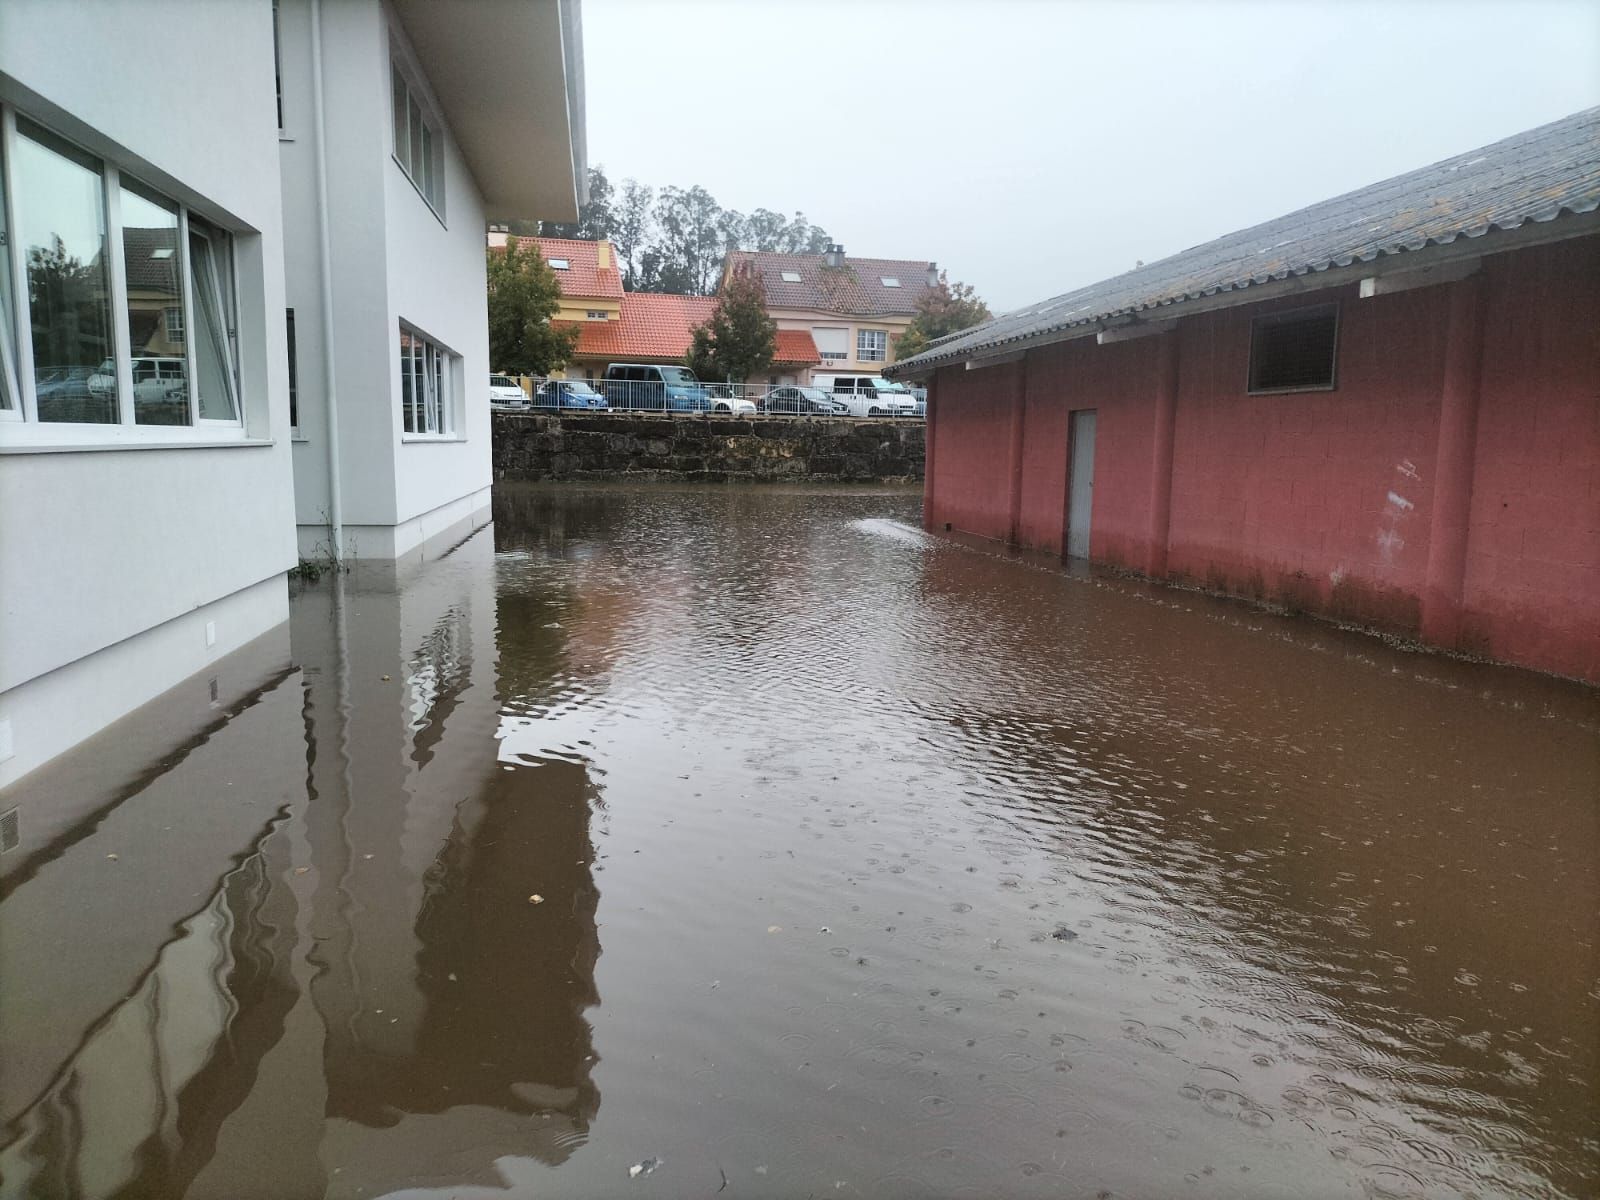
{"x": 868, "y": 864}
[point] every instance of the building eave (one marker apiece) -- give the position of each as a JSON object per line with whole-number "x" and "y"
{"x": 509, "y": 77}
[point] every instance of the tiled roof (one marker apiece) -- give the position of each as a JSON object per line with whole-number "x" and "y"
{"x": 654, "y": 327}
{"x": 856, "y": 289}
{"x": 795, "y": 349}
{"x": 145, "y": 271}
{"x": 583, "y": 276}
{"x": 1541, "y": 175}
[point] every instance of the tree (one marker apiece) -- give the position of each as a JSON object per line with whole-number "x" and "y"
{"x": 524, "y": 294}
{"x": 941, "y": 310}
{"x": 595, "y": 221}
{"x": 690, "y": 240}
{"x": 740, "y": 339}
{"x": 631, "y": 230}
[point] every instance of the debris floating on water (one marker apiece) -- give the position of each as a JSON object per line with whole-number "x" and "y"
{"x": 536, "y": 899}
{"x": 1063, "y": 934}
{"x": 774, "y": 928}
{"x": 643, "y": 1168}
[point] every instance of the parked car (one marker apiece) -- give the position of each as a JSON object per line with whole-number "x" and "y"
{"x": 505, "y": 392}
{"x": 869, "y": 395}
{"x": 724, "y": 401}
{"x": 804, "y": 401}
{"x": 664, "y": 389}
{"x": 568, "y": 393}
{"x": 155, "y": 380}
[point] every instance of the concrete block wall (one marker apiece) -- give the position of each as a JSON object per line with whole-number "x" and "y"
{"x": 704, "y": 448}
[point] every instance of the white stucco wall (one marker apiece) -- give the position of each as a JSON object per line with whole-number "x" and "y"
{"x": 98, "y": 547}
{"x": 393, "y": 259}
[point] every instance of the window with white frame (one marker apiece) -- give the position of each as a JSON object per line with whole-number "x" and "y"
{"x": 597, "y": 314}
{"x": 418, "y": 146}
{"x": 427, "y": 386}
{"x": 872, "y": 345}
{"x": 117, "y": 304}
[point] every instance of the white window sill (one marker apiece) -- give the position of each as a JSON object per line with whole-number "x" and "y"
{"x": 425, "y": 439}
{"x": 46, "y": 447}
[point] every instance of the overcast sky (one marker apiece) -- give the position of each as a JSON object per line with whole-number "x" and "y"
{"x": 1032, "y": 147}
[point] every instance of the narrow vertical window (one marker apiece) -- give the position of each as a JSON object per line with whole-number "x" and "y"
{"x": 10, "y": 401}
{"x": 61, "y": 234}
{"x": 213, "y": 334}
{"x": 277, "y": 63}
{"x": 294, "y": 367}
{"x": 402, "y": 139}
{"x": 152, "y": 272}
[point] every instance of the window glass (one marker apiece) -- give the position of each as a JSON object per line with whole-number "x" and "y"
{"x": 212, "y": 336}
{"x": 425, "y": 385}
{"x": 402, "y": 139}
{"x": 294, "y": 374}
{"x": 676, "y": 375}
{"x": 426, "y": 161}
{"x": 8, "y": 357}
{"x": 61, "y": 234}
{"x": 151, "y": 268}
{"x": 872, "y": 345}
{"x": 415, "y": 112}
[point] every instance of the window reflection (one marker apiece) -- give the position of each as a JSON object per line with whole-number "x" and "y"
{"x": 155, "y": 309}
{"x": 207, "y": 248}
{"x": 61, "y": 232}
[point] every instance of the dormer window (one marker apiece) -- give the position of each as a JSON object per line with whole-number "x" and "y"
{"x": 888, "y": 281}
{"x": 560, "y": 264}
{"x": 791, "y": 276}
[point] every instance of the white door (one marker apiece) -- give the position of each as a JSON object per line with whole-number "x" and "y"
{"x": 1080, "y": 493}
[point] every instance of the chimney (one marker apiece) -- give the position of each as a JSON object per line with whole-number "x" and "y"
{"x": 602, "y": 254}
{"x": 834, "y": 255}
{"x": 933, "y": 275}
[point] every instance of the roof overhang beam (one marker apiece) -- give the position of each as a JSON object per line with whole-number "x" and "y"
{"x": 1420, "y": 277}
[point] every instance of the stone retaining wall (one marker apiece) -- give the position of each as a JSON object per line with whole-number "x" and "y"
{"x": 708, "y": 448}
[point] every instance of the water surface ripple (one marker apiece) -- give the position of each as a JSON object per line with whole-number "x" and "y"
{"x": 760, "y": 841}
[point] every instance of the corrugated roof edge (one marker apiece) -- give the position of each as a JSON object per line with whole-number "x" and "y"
{"x": 937, "y": 356}
{"x": 1539, "y": 185}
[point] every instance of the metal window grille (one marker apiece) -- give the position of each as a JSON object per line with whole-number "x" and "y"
{"x": 1294, "y": 351}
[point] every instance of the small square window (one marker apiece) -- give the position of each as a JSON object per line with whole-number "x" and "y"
{"x": 888, "y": 281}
{"x": 791, "y": 276}
{"x": 1294, "y": 351}
{"x": 560, "y": 264}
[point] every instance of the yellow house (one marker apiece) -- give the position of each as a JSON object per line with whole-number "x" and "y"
{"x": 854, "y": 309}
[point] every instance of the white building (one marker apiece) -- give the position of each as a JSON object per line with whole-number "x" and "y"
{"x": 241, "y": 292}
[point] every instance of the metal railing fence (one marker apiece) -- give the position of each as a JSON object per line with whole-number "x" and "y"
{"x": 727, "y": 399}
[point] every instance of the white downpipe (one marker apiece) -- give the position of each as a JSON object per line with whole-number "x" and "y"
{"x": 330, "y": 401}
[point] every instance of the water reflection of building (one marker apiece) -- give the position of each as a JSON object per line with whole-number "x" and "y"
{"x": 362, "y": 997}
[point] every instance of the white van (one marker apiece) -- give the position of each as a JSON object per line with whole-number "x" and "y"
{"x": 869, "y": 395}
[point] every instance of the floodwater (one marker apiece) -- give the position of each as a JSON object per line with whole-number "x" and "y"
{"x": 735, "y": 842}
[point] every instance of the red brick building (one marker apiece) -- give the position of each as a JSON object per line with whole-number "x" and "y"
{"x": 1384, "y": 408}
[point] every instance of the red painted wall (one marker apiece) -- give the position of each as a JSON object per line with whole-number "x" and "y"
{"x": 1532, "y": 591}
{"x": 1323, "y": 500}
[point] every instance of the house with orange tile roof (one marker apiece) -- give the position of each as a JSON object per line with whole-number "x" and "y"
{"x": 851, "y": 310}
{"x": 637, "y": 327}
